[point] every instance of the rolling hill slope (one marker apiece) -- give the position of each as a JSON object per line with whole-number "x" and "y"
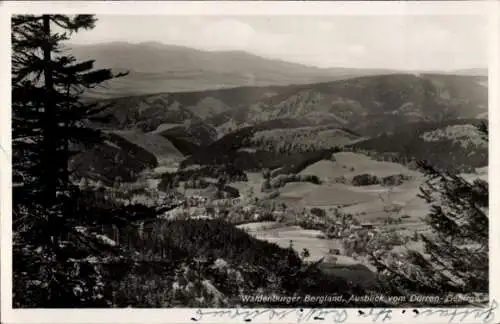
{"x": 158, "y": 145}
{"x": 368, "y": 105}
{"x": 373, "y": 104}
{"x": 116, "y": 158}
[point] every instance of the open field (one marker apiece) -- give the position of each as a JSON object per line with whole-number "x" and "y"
{"x": 335, "y": 195}
{"x": 367, "y": 200}
{"x": 253, "y": 185}
{"x": 325, "y": 195}
{"x": 386, "y": 202}
{"x": 348, "y": 165}
{"x": 282, "y": 234}
{"x": 357, "y": 271}
{"x": 481, "y": 173}
{"x": 163, "y": 127}
{"x": 367, "y": 203}
{"x": 153, "y": 143}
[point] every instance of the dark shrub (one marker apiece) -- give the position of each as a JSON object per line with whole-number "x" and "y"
{"x": 318, "y": 212}
{"x": 364, "y": 180}
{"x": 394, "y": 180}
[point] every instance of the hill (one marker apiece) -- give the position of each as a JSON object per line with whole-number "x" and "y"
{"x": 116, "y": 158}
{"x": 371, "y": 105}
{"x": 348, "y": 165}
{"x": 453, "y": 145}
{"x": 143, "y": 113}
{"x": 227, "y": 259}
{"x": 368, "y": 105}
{"x": 304, "y": 138}
{"x": 475, "y": 72}
{"x": 209, "y": 107}
{"x": 156, "y": 67}
{"x": 199, "y": 134}
{"x": 338, "y": 187}
{"x": 260, "y": 146}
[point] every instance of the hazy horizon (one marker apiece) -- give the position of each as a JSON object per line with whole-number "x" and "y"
{"x": 414, "y": 43}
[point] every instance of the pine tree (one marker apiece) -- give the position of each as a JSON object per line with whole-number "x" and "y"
{"x": 48, "y": 116}
{"x": 456, "y": 252}
{"x": 47, "y": 86}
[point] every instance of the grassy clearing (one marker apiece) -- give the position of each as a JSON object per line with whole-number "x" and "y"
{"x": 297, "y": 189}
{"x": 165, "y": 126}
{"x": 301, "y": 238}
{"x": 335, "y": 195}
{"x": 158, "y": 145}
{"x": 253, "y": 185}
{"x": 259, "y": 226}
{"x": 358, "y": 271}
{"x": 380, "y": 207}
{"x": 356, "y": 163}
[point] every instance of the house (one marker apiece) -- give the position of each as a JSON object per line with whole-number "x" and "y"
{"x": 334, "y": 251}
{"x": 202, "y": 217}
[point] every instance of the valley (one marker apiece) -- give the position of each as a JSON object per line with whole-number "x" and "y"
{"x": 329, "y": 170}
{"x": 278, "y": 216}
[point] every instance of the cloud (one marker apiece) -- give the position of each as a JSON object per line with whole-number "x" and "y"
{"x": 356, "y": 49}
{"x": 228, "y": 34}
{"x": 423, "y": 42}
{"x": 325, "y": 26}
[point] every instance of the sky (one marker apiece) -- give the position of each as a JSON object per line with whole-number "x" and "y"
{"x": 396, "y": 42}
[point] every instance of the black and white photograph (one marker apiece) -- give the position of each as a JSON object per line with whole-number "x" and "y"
{"x": 249, "y": 161}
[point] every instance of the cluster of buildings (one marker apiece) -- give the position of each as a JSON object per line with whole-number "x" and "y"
{"x": 232, "y": 210}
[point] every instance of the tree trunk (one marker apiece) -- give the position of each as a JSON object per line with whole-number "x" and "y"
{"x": 49, "y": 127}
{"x": 66, "y": 143}
{"x": 49, "y": 162}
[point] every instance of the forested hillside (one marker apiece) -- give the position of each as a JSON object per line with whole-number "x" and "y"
{"x": 453, "y": 145}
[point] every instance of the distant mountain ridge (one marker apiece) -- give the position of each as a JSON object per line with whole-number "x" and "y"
{"x": 156, "y": 67}
{"x": 472, "y": 72}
